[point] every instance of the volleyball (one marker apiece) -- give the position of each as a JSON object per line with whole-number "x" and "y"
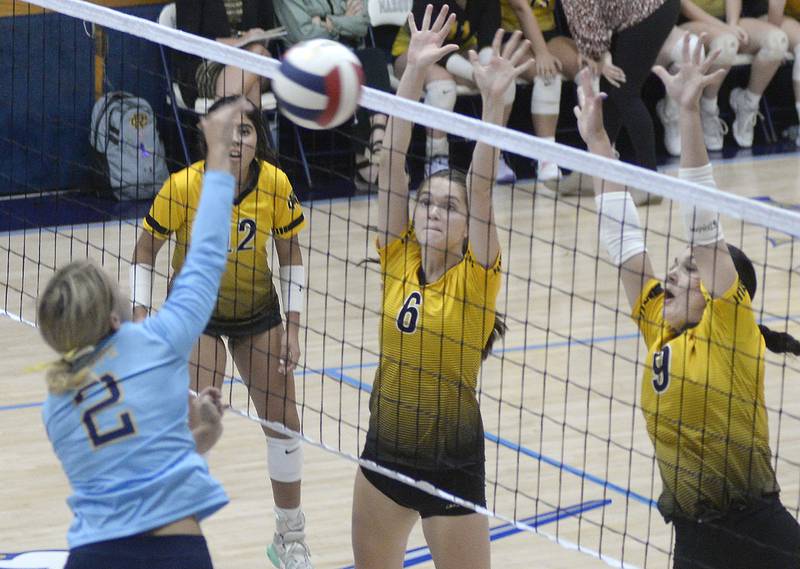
{"x": 319, "y": 84}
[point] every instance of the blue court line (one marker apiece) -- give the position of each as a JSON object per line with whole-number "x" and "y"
{"x": 335, "y": 374}
{"x": 334, "y": 371}
{"x": 422, "y": 554}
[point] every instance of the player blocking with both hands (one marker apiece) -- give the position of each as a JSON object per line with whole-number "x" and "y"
{"x": 247, "y": 310}
{"x": 116, "y": 411}
{"x": 703, "y": 391}
{"x": 441, "y": 276}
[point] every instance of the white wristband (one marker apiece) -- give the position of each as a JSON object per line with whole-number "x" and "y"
{"x": 703, "y": 226}
{"x": 620, "y": 229}
{"x": 293, "y": 283}
{"x": 141, "y": 285}
{"x": 459, "y": 66}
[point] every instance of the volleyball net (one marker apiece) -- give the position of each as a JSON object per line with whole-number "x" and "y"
{"x": 567, "y": 450}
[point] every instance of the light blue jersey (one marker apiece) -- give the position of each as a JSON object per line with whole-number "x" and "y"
{"x": 123, "y": 438}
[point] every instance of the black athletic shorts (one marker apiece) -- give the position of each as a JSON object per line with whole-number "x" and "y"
{"x": 143, "y": 552}
{"x": 762, "y": 536}
{"x": 258, "y": 324}
{"x": 468, "y": 483}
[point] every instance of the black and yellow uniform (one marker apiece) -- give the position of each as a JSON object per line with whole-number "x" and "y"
{"x": 703, "y": 399}
{"x": 267, "y": 206}
{"x": 424, "y": 410}
{"x": 424, "y": 413}
{"x": 544, "y": 12}
{"x": 474, "y": 28}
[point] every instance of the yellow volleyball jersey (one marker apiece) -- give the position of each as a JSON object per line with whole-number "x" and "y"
{"x": 792, "y": 8}
{"x": 703, "y": 399}
{"x": 267, "y": 207}
{"x": 423, "y": 408}
{"x": 715, "y": 8}
{"x": 544, "y": 12}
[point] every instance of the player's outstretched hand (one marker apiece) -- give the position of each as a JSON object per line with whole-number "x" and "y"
{"x": 425, "y": 46}
{"x": 589, "y": 110}
{"x": 217, "y": 129}
{"x": 692, "y": 77}
{"x": 507, "y": 62}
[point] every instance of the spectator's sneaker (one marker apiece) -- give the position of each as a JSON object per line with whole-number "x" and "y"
{"x": 746, "y": 116}
{"x": 436, "y": 164}
{"x": 548, "y": 172}
{"x": 288, "y": 549}
{"x": 504, "y": 174}
{"x": 714, "y": 129}
{"x": 668, "y": 114}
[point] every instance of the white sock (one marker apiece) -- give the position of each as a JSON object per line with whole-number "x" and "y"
{"x": 290, "y": 515}
{"x": 709, "y": 105}
{"x": 551, "y": 139}
{"x": 797, "y": 107}
{"x": 752, "y": 99}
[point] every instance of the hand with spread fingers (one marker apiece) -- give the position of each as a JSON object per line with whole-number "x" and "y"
{"x": 507, "y": 62}
{"x": 425, "y": 46}
{"x": 589, "y": 110}
{"x": 686, "y": 86}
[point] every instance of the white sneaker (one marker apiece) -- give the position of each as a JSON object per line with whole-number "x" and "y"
{"x": 746, "y": 116}
{"x": 668, "y": 115}
{"x": 714, "y": 129}
{"x": 288, "y": 549}
{"x": 436, "y": 164}
{"x": 548, "y": 172}
{"x": 504, "y": 174}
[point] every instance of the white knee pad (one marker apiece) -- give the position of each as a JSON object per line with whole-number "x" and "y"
{"x": 728, "y": 47}
{"x": 676, "y": 54}
{"x": 285, "y": 459}
{"x": 441, "y": 94}
{"x": 796, "y": 66}
{"x": 775, "y": 46}
{"x": 546, "y": 96}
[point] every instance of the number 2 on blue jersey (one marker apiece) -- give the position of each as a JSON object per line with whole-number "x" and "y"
{"x": 112, "y": 394}
{"x": 409, "y": 313}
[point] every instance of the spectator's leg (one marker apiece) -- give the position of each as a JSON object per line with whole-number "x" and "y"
{"x": 440, "y": 92}
{"x": 768, "y": 44}
{"x": 371, "y": 126}
{"x": 635, "y": 51}
{"x": 546, "y": 100}
{"x": 791, "y": 27}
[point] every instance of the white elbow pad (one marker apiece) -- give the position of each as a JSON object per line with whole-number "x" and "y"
{"x": 141, "y": 285}
{"x": 293, "y": 283}
{"x": 620, "y": 229}
{"x": 703, "y": 226}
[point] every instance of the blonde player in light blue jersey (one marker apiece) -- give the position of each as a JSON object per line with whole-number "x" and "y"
{"x": 117, "y": 412}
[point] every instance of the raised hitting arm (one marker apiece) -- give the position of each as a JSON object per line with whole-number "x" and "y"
{"x": 424, "y": 49}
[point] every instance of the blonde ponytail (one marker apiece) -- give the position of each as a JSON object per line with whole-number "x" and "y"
{"x": 74, "y": 314}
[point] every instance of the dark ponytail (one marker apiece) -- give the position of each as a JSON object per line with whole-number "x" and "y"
{"x": 777, "y": 342}
{"x": 498, "y": 332}
{"x": 780, "y": 342}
